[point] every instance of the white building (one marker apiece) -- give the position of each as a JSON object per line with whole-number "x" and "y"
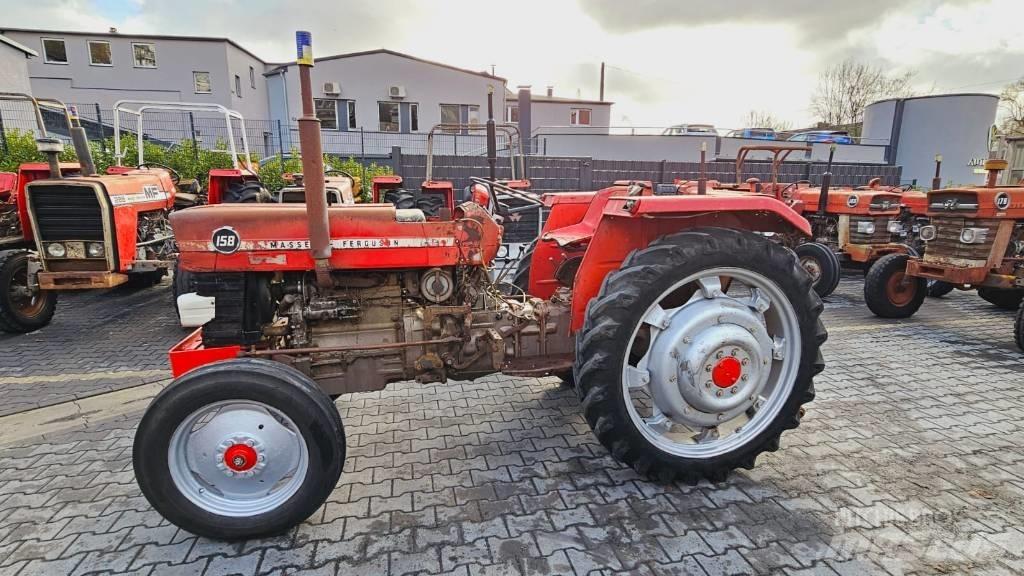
{"x": 550, "y": 114}
{"x": 14, "y": 58}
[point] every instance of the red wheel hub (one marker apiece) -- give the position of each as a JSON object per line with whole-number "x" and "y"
{"x": 240, "y": 457}
{"x": 726, "y": 372}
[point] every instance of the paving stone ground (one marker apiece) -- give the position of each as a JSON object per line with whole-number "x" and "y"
{"x": 910, "y": 461}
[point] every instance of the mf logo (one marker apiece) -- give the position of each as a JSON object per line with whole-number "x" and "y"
{"x": 852, "y": 200}
{"x": 1002, "y": 201}
{"x": 951, "y": 204}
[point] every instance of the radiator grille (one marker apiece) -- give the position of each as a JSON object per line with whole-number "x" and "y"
{"x": 947, "y": 242}
{"x": 66, "y": 212}
{"x": 881, "y": 234}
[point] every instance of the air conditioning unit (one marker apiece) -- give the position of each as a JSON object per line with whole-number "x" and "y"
{"x": 397, "y": 91}
{"x": 332, "y": 88}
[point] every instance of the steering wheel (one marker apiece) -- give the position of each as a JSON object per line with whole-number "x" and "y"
{"x": 333, "y": 172}
{"x": 175, "y": 177}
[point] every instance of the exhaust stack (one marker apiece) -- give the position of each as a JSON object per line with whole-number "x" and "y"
{"x": 826, "y": 183}
{"x": 81, "y": 143}
{"x": 937, "y": 179}
{"x": 313, "y": 164}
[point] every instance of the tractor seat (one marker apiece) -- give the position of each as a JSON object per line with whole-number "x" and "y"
{"x": 409, "y": 215}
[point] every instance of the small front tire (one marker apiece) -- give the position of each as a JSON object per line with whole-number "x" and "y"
{"x": 889, "y": 292}
{"x": 239, "y": 449}
{"x": 22, "y": 309}
{"x": 1005, "y": 299}
{"x": 822, "y": 265}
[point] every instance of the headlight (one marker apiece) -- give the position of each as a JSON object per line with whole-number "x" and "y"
{"x": 94, "y": 249}
{"x": 928, "y": 233}
{"x": 895, "y": 227}
{"x": 973, "y": 235}
{"x": 866, "y": 227}
{"x": 56, "y": 250}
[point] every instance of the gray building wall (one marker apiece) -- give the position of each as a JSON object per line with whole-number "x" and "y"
{"x": 366, "y": 79}
{"x": 78, "y": 81}
{"x": 14, "y": 69}
{"x": 553, "y": 117}
{"x": 953, "y": 125}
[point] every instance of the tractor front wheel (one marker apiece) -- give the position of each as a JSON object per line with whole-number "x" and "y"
{"x": 23, "y": 306}
{"x": 822, "y": 264}
{"x": 239, "y": 449}
{"x": 938, "y": 288}
{"x": 889, "y": 292}
{"x": 699, "y": 352}
{"x": 1005, "y": 299}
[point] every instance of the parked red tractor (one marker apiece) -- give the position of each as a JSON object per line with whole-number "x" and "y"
{"x": 975, "y": 239}
{"x": 693, "y": 340}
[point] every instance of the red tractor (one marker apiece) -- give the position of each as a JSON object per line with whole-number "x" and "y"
{"x": 693, "y": 340}
{"x": 88, "y": 230}
{"x": 975, "y": 239}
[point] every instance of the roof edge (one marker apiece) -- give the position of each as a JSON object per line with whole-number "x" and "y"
{"x": 18, "y": 46}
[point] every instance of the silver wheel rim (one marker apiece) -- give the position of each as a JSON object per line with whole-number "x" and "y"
{"x": 672, "y": 398}
{"x": 238, "y": 458}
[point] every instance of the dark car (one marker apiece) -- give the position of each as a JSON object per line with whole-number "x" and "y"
{"x": 823, "y": 136}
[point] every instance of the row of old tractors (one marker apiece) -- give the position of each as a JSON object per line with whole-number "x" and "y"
{"x": 685, "y": 315}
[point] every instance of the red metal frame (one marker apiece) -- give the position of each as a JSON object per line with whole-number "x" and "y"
{"x": 189, "y": 354}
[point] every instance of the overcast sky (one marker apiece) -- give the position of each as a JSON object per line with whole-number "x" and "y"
{"x": 669, "y": 61}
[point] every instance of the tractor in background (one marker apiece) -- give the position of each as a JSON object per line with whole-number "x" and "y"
{"x": 975, "y": 240}
{"x": 693, "y": 339}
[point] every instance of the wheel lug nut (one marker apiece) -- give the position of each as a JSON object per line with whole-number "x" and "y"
{"x": 733, "y": 390}
{"x": 719, "y": 355}
{"x": 707, "y": 384}
{"x": 707, "y": 368}
{"x": 719, "y": 393}
{"x": 746, "y": 377}
{"x": 734, "y": 352}
{"x": 744, "y": 362}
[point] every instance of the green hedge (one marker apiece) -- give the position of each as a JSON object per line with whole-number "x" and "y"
{"x": 183, "y": 157}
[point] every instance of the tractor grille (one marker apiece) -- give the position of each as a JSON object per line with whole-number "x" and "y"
{"x": 947, "y": 242}
{"x": 881, "y": 234}
{"x": 66, "y": 212}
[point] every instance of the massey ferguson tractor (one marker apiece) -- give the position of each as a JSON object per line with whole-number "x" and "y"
{"x": 975, "y": 239}
{"x": 693, "y": 340}
{"x": 88, "y": 230}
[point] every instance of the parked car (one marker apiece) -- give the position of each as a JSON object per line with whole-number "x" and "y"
{"x": 823, "y": 136}
{"x": 754, "y": 134}
{"x": 690, "y": 130}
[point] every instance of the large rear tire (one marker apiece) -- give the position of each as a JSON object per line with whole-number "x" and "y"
{"x": 889, "y": 292}
{"x": 239, "y": 449}
{"x": 667, "y": 323}
{"x": 1005, "y": 299}
{"x": 821, "y": 264}
{"x": 22, "y": 310}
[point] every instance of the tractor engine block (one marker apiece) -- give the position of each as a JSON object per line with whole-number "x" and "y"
{"x": 371, "y": 328}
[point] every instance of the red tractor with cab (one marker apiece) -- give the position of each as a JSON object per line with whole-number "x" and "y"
{"x": 692, "y": 339}
{"x": 974, "y": 240}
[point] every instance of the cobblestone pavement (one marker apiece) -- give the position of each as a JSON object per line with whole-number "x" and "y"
{"x": 98, "y": 342}
{"x": 910, "y": 461}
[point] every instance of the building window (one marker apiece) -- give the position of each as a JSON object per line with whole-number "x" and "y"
{"x": 579, "y": 117}
{"x": 351, "y": 105}
{"x": 449, "y": 113}
{"x": 201, "y": 80}
{"x": 145, "y": 54}
{"x": 512, "y": 114}
{"x": 388, "y": 116}
{"x": 252, "y": 77}
{"x": 99, "y": 53}
{"x": 238, "y": 85}
{"x": 473, "y": 116}
{"x": 54, "y": 51}
{"x": 414, "y": 117}
{"x": 327, "y": 113}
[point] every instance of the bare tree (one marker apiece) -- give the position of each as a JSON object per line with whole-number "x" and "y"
{"x": 1012, "y": 102}
{"x": 845, "y": 90}
{"x": 763, "y": 119}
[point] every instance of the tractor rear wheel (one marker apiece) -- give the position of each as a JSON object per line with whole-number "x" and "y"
{"x": 142, "y": 280}
{"x": 822, "y": 264}
{"x": 938, "y": 288}
{"x": 889, "y": 292}
{"x": 699, "y": 352}
{"x": 22, "y": 309}
{"x": 1005, "y": 299}
{"x": 239, "y": 449}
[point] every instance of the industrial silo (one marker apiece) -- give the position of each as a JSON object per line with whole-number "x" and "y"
{"x": 955, "y": 126}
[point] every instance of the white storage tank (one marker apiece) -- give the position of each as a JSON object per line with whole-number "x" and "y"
{"x": 956, "y": 126}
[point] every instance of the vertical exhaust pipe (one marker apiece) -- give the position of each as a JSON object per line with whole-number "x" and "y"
{"x": 492, "y": 138}
{"x": 937, "y": 179}
{"x": 313, "y": 165}
{"x": 826, "y": 183}
{"x": 702, "y": 179}
{"x": 80, "y": 141}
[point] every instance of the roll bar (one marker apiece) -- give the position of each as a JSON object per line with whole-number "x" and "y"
{"x": 779, "y": 154}
{"x": 511, "y": 131}
{"x": 143, "y": 106}
{"x": 37, "y": 104}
